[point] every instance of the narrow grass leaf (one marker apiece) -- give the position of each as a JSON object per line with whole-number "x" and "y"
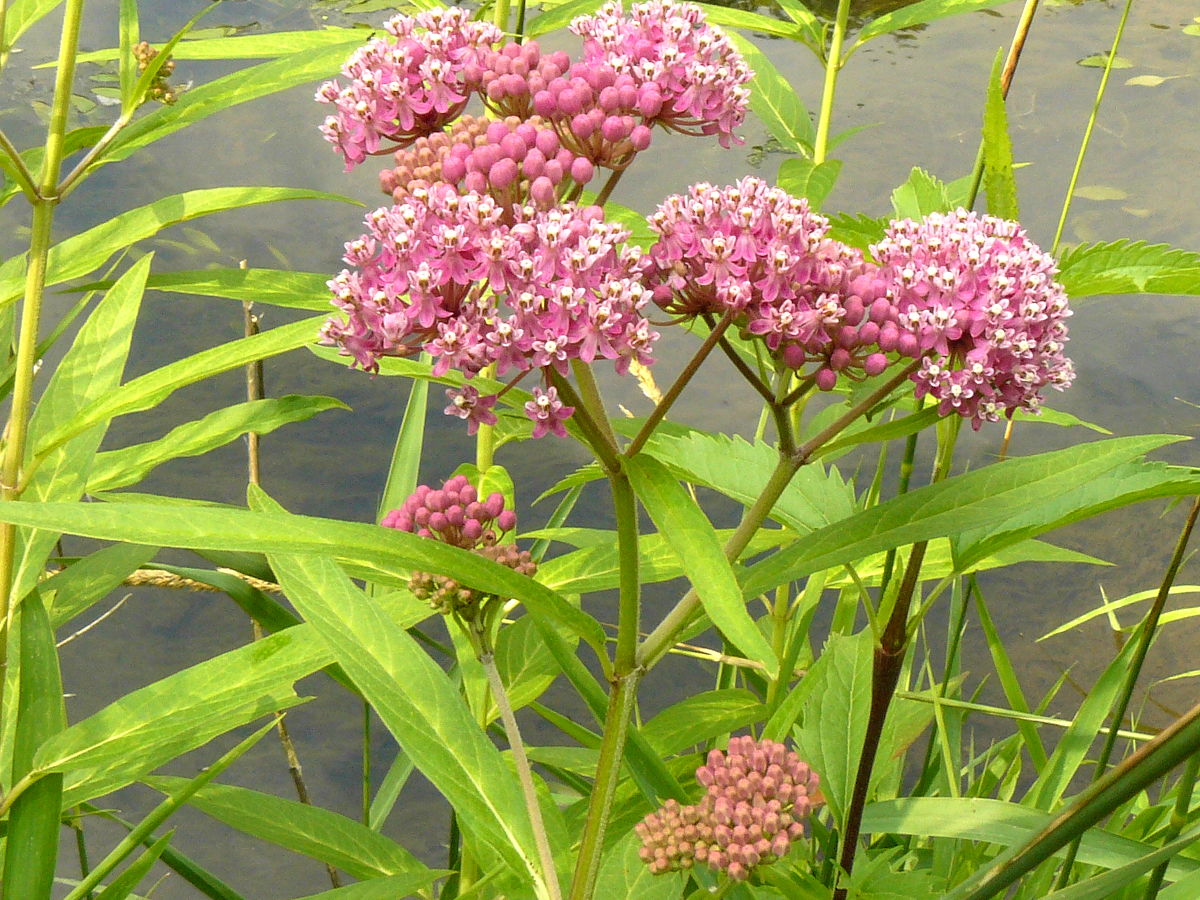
{"x": 393, "y": 783}
{"x": 998, "y": 177}
{"x": 417, "y": 702}
{"x": 1011, "y": 684}
{"x": 156, "y": 723}
{"x": 976, "y": 499}
{"x": 122, "y": 886}
{"x": 1108, "y": 884}
{"x": 129, "y": 465}
{"x": 406, "y": 455}
{"x": 83, "y": 253}
{"x": 690, "y": 535}
{"x": 317, "y": 833}
{"x": 31, "y": 843}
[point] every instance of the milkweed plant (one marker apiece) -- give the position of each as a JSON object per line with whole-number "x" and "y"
{"x": 499, "y": 275}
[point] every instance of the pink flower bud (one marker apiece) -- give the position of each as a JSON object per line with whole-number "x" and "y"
{"x": 582, "y": 170}
{"x": 502, "y": 173}
{"x": 542, "y": 192}
{"x": 640, "y": 137}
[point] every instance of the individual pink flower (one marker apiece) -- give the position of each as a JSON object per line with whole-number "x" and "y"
{"x": 757, "y": 795}
{"x": 467, "y": 404}
{"x": 548, "y": 413}
{"x": 757, "y": 252}
{"x": 400, "y": 90}
{"x": 981, "y": 301}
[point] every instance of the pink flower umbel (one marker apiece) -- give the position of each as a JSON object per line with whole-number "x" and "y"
{"x": 455, "y": 515}
{"x": 763, "y": 255}
{"x": 400, "y": 90}
{"x": 687, "y": 74}
{"x": 456, "y": 276}
{"x": 982, "y": 302}
{"x": 757, "y": 796}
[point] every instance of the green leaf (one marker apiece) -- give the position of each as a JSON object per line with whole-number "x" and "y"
{"x": 732, "y": 17}
{"x": 811, "y": 29}
{"x": 834, "y": 723}
{"x": 801, "y": 178}
{"x": 384, "y": 555}
{"x": 75, "y": 589}
{"x": 1106, "y": 885}
{"x": 155, "y": 724}
{"x": 388, "y": 888}
{"x": 1100, "y": 60}
{"x": 775, "y": 101}
{"x": 151, "y": 389}
{"x": 300, "y": 827}
{"x": 89, "y": 250}
{"x": 393, "y": 783}
{"x": 419, "y": 705}
{"x": 977, "y": 499}
{"x": 148, "y": 75}
{"x": 274, "y": 287}
{"x": 31, "y": 845}
{"x": 406, "y": 455}
{"x": 691, "y": 536}
{"x": 22, "y": 14}
{"x": 623, "y": 874}
{"x": 700, "y": 717}
{"x": 128, "y": 33}
{"x": 122, "y": 886}
{"x": 920, "y": 14}
{"x": 249, "y": 46}
{"x": 1129, "y": 267}
{"x": 228, "y": 91}
{"x": 857, "y": 230}
{"x": 526, "y": 665}
{"x": 920, "y": 195}
{"x": 560, "y": 16}
{"x": 118, "y": 468}
{"x": 998, "y": 177}
{"x": 90, "y": 372}
{"x": 816, "y": 497}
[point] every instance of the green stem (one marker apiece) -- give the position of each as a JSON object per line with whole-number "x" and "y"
{"x": 679, "y": 384}
{"x": 589, "y": 393}
{"x": 629, "y": 613}
{"x": 606, "y": 191}
{"x": 500, "y": 15}
{"x": 832, "y": 66}
{"x": 524, "y": 773}
{"x": 780, "y": 614}
{"x": 31, "y": 310}
{"x": 1145, "y": 637}
{"x": 1179, "y": 820}
{"x": 23, "y": 175}
{"x": 1006, "y": 77}
{"x": 81, "y": 846}
{"x": 605, "y": 450}
{"x": 608, "y": 769}
{"x": 1087, "y": 132}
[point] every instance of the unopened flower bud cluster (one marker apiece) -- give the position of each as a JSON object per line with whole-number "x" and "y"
{"x": 757, "y": 795}
{"x": 455, "y": 515}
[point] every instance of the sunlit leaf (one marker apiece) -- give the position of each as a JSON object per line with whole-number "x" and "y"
{"x": 801, "y": 178}
{"x": 1129, "y": 267}
{"x": 775, "y": 101}
{"x": 919, "y": 14}
{"x": 998, "y": 178}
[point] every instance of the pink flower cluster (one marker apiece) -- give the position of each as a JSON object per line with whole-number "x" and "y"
{"x": 455, "y": 515}
{"x": 403, "y": 89}
{"x": 669, "y": 50}
{"x": 763, "y": 255}
{"x": 515, "y": 160}
{"x": 448, "y": 274}
{"x": 981, "y": 301}
{"x": 757, "y": 795}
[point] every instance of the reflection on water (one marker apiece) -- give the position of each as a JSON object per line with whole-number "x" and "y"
{"x": 922, "y": 99}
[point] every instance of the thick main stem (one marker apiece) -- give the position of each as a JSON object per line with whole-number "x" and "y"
{"x": 627, "y": 674}
{"x": 832, "y": 66}
{"x": 31, "y": 310}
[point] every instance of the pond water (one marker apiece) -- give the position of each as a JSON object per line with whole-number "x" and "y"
{"x": 920, "y": 93}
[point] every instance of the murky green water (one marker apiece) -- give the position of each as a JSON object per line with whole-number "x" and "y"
{"x": 922, "y": 94}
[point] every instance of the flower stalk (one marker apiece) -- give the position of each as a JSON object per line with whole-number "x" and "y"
{"x": 833, "y": 65}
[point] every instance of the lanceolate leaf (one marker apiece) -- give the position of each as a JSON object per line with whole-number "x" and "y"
{"x": 122, "y": 886}
{"x": 118, "y": 468}
{"x": 301, "y": 828}
{"x": 998, "y": 178}
{"x": 250, "y": 46}
{"x": 274, "y": 287}
{"x": 33, "y": 822}
{"x": 74, "y": 590}
{"x": 776, "y": 102}
{"x": 919, "y": 14}
{"x": 382, "y": 888}
{"x": 732, "y": 17}
{"x": 978, "y": 499}
{"x": 384, "y": 555}
{"x": 89, "y": 372}
{"x": 89, "y": 250}
{"x": 152, "y": 388}
{"x": 690, "y": 535}
{"x": 157, "y": 723}
{"x": 418, "y": 703}
{"x": 1129, "y": 267}
{"x": 22, "y": 14}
